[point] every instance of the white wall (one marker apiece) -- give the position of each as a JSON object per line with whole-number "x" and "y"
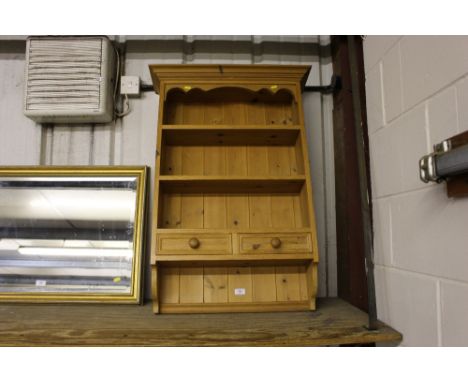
{"x": 20, "y": 137}
{"x": 417, "y": 95}
{"x": 132, "y": 141}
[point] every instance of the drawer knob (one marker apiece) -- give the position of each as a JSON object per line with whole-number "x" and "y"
{"x": 275, "y": 242}
{"x": 194, "y": 243}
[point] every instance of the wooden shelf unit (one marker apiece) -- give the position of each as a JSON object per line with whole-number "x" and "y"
{"x": 233, "y": 227}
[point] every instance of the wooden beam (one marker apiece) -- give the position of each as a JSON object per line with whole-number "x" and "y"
{"x": 334, "y": 323}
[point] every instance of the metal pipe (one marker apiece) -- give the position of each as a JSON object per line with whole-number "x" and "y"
{"x": 335, "y": 84}
{"x": 453, "y": 162}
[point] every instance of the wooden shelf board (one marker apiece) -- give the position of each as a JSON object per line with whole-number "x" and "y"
{"x": 229, "y": 259}
{"x": 231, "y": 230}
{"x": 228, "y": 178}
{"x": 231, "y": 184}
{"x": 334, "y": 322}
{"x": 234, "y": 127}
{"x": 236, "y": 307}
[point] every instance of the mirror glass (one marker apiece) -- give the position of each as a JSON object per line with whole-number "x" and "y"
{"x": 67, "y": 235}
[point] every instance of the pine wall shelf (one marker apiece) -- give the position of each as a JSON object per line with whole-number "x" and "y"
{"x": 233, "y": 224}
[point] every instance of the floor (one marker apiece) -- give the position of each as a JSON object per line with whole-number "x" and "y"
{"x": 335, "y": 322}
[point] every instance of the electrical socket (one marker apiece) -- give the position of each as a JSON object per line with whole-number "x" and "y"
{"x": 130, "y": 85}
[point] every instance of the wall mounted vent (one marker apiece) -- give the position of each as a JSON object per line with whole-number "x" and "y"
{"x": 69, "y": 79}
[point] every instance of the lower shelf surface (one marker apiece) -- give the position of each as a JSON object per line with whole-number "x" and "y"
{"x": 335, "y": 322}
{"x": 237, "y": 307}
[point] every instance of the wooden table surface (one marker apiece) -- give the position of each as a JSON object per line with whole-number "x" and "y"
{"x": 334, "y": 322}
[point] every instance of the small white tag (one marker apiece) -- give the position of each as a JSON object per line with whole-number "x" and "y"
{"x": 41, "y": 283}
{"x": 239, "y": 291}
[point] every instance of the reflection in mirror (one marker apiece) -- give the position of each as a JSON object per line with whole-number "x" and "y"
{"x": 67, "y": 235}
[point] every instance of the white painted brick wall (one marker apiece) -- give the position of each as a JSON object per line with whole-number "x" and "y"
{"x": 417, "y": 95}
{"x": 442, "y": 115}
{"x": 392, "y": 87}
{"x": 19, "y": 136}
{"x": 376, "y": 49}
{"x": 454, "y": 313}
{"x": 430, "y": 63}
{"x": 409, "y": 302}
{"x": 374, "y": 99}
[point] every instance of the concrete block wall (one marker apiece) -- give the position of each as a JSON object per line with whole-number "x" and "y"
{"x": 417, "y": 95}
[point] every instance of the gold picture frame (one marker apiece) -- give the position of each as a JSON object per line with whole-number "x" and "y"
{"x": 132, "y": 290}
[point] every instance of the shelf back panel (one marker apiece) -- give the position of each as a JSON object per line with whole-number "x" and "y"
{"x": 233, "y": 211}
{"x": 230, "y": 105}
{"x": 212, "y": 136}
{"x": 236, "y": 160}
{"x": 233, "y": 284}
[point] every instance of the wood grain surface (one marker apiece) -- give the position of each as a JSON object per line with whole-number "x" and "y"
{"x": 232, "y": 155}
{"x": 334, "y": 322}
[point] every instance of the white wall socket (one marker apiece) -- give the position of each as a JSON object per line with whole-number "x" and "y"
{"x": 130, "y": 85}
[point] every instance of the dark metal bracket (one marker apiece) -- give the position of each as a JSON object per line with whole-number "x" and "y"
{"x": 146, "y": 87}
{"x": 335, "y": 84}
{"x": 448, "y": 162}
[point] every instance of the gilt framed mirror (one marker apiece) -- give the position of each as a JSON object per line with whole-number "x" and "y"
{"x": 72, "y": 234}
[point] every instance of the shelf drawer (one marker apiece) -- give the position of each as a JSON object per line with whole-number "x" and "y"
{"x": 194, "y": 244}
{"x": 275, "y": 243}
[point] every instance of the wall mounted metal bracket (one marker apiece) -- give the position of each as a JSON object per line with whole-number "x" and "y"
{"x": 449, "y": 163}
{"x": 427, "y": 164}
{"x": 447, "y": 160}
{"x": 335, "y": 84}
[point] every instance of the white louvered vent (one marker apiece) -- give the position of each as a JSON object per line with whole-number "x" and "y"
{"x": 69, "y": 79}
